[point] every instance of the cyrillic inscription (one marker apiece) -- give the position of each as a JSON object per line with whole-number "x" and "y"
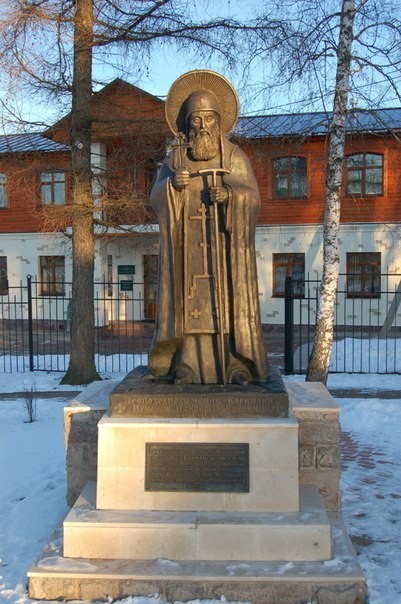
{"x": 200, "y": 467}
{"x": 197, "y": 406}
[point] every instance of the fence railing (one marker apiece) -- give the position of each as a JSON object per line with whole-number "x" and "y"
{"x": 367, "y": 329}
{"x": 35, "y": 328}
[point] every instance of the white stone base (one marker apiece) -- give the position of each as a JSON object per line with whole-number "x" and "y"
{"x": 339, "y": 580}
{"x": 273, "y": 464}
{"x": 135, "y": 535}
{"x": 269, "y": 546}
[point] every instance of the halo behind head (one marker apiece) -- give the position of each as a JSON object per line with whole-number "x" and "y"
{"x": 197, "y": 81}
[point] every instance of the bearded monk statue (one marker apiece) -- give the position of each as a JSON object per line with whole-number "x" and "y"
{"x": 206, "y": 199}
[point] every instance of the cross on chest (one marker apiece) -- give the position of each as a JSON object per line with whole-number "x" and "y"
{"x": 203, "y": 215}
{"x": 195, "y": 313}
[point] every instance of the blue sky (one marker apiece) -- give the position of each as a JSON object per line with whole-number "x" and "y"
{"x": 165, "y": 64}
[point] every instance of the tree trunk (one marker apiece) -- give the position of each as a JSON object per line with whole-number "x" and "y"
{"x": 319, "y": 362}
{"x": 81, "y": 369}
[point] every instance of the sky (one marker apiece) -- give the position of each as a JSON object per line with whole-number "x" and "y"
{"x": 33, "y": 483}
{"x": 164, "y": 64}
{"x": 163, "y": 67}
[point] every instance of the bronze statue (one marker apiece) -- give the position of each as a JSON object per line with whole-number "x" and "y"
{"x": 206, "y": 200}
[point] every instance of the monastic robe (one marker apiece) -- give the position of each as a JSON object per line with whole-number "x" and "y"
{"x": 187, "y": 261}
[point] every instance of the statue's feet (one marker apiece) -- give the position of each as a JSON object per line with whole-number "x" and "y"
{"x": 184, "y": 375}
{"x": 239, "y": 377}
{"x": 239, "y": 374}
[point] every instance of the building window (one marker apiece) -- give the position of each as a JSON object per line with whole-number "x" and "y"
{"x": 289, "y": 178}
{"x": 149, "y": 172}
{"x": 3, "y": 276}
{"x": 109, "y": 275}
{"x": 52, "y": 188}
{"x": 363, "y": 274}
{"x": 289, "y": 265}
{"x": 3, "y": 191}
{"x": 52, "y": 275}
{"x": 364, "y": 174}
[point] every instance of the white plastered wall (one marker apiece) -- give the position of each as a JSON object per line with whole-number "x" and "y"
{"x": 307, "y": 239}
{"x": 23, "y": 251}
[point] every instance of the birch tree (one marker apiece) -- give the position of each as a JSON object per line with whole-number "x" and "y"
{"x": 323, "y": 342}
{"x": 334, "y": 51}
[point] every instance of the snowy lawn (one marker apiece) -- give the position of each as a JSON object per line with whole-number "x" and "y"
{"x": 32, "y": 475}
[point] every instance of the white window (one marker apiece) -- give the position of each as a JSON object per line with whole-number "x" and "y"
{"x": 289, "y": 178}
{"x": 3, "y": 276}
{"x": 289, "y": 265}
{"x": 52, "y": 188}
{"x": 3, "y": 190}
{"x": 52, "y": 275}
{"x": 363, "y": 274}
{"x": 364, "y": 174}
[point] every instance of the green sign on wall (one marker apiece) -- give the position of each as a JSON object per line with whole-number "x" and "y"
{"x": 126, "y": 269}
{"x": 126, "y": 286}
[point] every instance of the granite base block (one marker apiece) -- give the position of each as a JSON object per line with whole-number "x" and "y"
{"x": 149, "y": 534}
{"x": 339, "y": 580}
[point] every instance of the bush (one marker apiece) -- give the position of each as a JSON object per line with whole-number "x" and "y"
{"x": 30, "y": 404}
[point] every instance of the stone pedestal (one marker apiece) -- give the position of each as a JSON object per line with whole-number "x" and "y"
{"x": 198, "y": 536}
{"x": 272, "y": 465}
{"x": 198, "y": 505}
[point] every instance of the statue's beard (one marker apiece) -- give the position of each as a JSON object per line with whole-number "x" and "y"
{"x": 204, "y": 146}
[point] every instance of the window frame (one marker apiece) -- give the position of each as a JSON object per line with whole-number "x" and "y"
{"x": 53, "y": 286}
{"x": 363, "y": 168}
{"x": 3, "y": 191}
{"x": 364, "y": 275}
{"x": 3, "y": 276}
{"x": 289, "y": 172}
{"x": 51, "y": 184}
{"x": 293, "y": 259}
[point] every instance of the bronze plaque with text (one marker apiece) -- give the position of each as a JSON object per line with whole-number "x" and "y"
{"x": 141, "y": 395}
{"x": 200, "y": 467}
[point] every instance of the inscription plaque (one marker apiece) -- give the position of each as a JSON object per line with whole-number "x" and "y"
{"x": 197, "y": 467}
{"x": 140, "y": 395}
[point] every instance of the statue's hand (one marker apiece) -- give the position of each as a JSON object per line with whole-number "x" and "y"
{"x": 218, "y": 194}
{"x": 181, "y": 179}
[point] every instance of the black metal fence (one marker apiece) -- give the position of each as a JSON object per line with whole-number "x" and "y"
{"x": 367, "y": 329}
{"x": 35, "y": 328}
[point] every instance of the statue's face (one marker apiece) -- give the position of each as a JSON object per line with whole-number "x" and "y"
{"x": 203, "y": 121}
{"x": 204, "y": 134}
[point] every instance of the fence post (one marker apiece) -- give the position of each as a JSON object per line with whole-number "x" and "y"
{"x": 288, "y": 327}
{"x": 30, "y": 322}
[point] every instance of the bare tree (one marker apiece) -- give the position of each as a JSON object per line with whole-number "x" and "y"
{"x": 48, "y": 48}
{"x": 81, "y": 369}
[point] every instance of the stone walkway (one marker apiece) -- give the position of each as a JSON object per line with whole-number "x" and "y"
{"x": 335, "y": 392}
{"x": 66, "y": 395}
{"x": 352, "y": 451}
{"x": 364, "y": 393}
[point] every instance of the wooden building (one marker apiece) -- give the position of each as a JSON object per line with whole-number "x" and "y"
{"x": 129, "y": 137}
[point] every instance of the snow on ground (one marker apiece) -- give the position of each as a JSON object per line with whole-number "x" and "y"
{"x": 371, "y": 490}
{"x": 365, "y": 355}
{"x": 32, "y": 478}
